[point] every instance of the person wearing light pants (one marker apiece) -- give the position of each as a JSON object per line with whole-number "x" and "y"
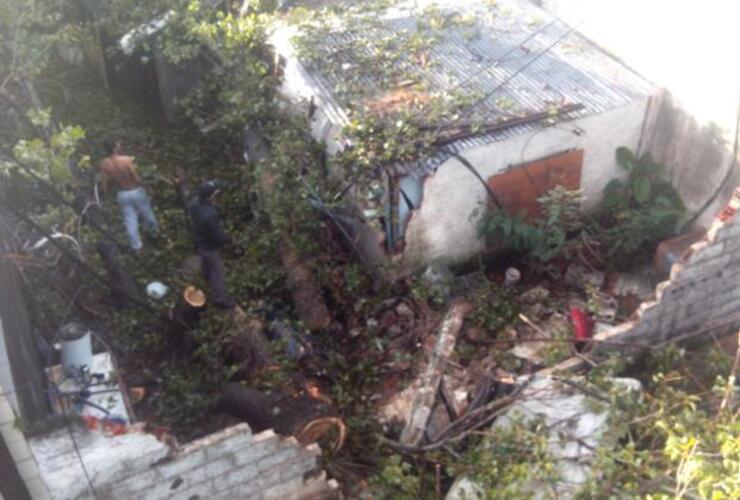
{"x": 132, "y": 198}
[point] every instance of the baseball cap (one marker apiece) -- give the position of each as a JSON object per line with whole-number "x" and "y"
{"x": 209, "y": 187}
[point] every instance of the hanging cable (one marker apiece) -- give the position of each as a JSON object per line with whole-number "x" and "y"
{"x": 135, "y": 300}
{"x": 60, "y": 198}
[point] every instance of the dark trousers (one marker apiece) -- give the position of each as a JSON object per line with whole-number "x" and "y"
{"x": 214, "y": 272}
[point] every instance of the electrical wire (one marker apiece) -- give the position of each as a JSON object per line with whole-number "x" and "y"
{"x": 134, "y": 300}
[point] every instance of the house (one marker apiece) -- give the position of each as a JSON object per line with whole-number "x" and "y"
{"x": 553, "y": 107}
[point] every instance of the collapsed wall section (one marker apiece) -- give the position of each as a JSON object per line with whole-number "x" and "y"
{"x": 702, "y": 296}
{"x": 232, "y": 463}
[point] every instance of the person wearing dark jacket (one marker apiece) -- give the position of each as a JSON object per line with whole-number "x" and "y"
{"x": 209, "y": 237}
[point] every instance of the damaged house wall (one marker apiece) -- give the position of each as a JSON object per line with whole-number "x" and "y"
{"x": 700, "y": 299}
{"x": 445, "y": 228}
{"x": 438, "y": 218}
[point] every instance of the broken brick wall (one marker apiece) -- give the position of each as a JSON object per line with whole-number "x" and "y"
{"x": 232, "y": 463}
{"x": 702, "y": 296}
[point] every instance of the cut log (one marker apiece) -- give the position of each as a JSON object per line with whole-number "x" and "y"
{"x": 275, "y": 410}
{"x": 307, "y": 297}
{"x": 426, "y": 395}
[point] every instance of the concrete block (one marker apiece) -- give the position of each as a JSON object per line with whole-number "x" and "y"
{"x": 208, "y": 471}
{"x": 235, "y": 476}
{"x": 216, "y": 438}
{"x": 229, "y": 446}
{"x": 706, "y": 252}
{"x": 267, "y": 463}
{"x": 257, "y": 451}
{"x": 693, "y": 271}
{"x": 284, "y": 489}
{"x": 179, "y": 464}
{"x": 730, "y": 231}
{"x": 138, "y": 483}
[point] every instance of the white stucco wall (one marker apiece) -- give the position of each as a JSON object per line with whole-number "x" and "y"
{"x": 445, "y": 228}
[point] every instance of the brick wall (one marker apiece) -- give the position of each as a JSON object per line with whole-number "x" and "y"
{"x": 231, "y": 464}
{"x": 702, "y": 296}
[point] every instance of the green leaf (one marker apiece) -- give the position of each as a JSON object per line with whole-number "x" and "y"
{"x": 626, "y": 158}
{"x": 641, "y": 189}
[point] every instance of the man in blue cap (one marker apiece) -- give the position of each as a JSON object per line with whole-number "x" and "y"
{"x": 209, "y": 237}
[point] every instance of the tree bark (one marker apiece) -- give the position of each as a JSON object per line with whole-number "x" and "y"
{"x": 122, "y": 284}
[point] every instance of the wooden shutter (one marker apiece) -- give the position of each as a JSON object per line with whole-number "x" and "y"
{"x": 518, "y": 188}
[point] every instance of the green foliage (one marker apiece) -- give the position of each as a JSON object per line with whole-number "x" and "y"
{"x": 544, "y": 238}
{"x": 50, "y": 159}
{"x": 495, "y": 308}
{"x": 637, "y": 212}
{"x": 396, "y": 479}
{"x": 507, "y": 458}
{"x": 678, "y": 442}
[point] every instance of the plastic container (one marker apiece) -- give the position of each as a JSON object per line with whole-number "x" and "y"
{"x": 76, "y": 342}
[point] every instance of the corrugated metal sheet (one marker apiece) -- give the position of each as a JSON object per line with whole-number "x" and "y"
{"x": 573, "y": 71}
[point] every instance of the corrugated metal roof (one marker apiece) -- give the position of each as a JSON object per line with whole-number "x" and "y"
{"x": 573, "y": 71}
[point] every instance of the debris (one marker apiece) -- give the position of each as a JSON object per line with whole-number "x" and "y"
{"x": 296, "y": 347}
{"x": 579, "y": 277}
{"x": 673, "y": 250}
{"x": 322, "y": 428}
{"x": 583, "y": 325}
{"x": 425, "y": 396}
{"x": 439, "y": 279}
{"x": 512, "y": 276}
{"x": 631, "y": 289}
{"x": 535, "y": 295}
{"x": 404, "y": 311}
{"x": 575, "y": 429}
{"x": 156, "y": 290}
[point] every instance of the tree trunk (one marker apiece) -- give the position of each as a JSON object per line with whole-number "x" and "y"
{"x": 123, "y": 285}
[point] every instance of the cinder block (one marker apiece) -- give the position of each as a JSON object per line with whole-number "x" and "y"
{"x": 216, "y": 438}
{"x": 234, "y": 477}
{"x": 137, "y": 483}
{"x": 730, "y": 231}
{"x": 284, "y": 489}
{"x": 706, "y": 252}
{"x": 257, "y": 451}
{"x": 181, "y": 463}
{"x": 208, "y": 471}
{"x": 272, "y": 460}
{"x": 692, "y": 272}
{"x": 229, "y": 446}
